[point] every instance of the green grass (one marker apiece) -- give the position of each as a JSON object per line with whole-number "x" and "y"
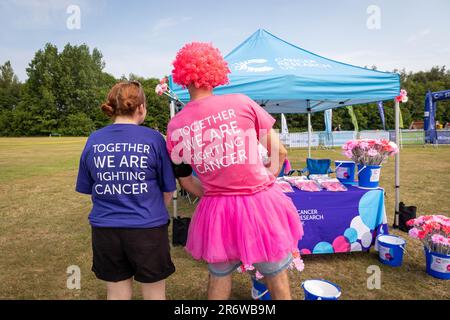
{"x": 44, "y": 229}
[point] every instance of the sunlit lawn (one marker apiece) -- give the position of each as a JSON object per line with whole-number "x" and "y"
{"x": 44, "y": 229}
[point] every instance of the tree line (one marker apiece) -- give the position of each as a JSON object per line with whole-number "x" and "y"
{"x": 65, "y": 88}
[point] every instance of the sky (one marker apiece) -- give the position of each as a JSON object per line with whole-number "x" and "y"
{"x": 142, "y": 37}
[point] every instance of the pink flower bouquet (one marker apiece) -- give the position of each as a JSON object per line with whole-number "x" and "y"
{"x": 369, "y": 151}
{"x": 433, "y": 231}
{"x": 163, "y": 89}
{"x": 403, "y": 97}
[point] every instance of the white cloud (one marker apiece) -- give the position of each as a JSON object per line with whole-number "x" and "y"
{"x": 42, "y": 14}
{"x": 169, "y": 22}
{"x": 414, "y": 38}
{"x": 395, "y": 59}
{"x": 146, "y": 62}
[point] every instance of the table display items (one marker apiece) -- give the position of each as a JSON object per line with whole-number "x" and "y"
{"x": 434, "y": 232}
{"x": 315, "y": 183}
{"x": 302, "y": 183}
{"x": 307, "y": 185}
{"x": 319, "y": 176}
{"x": 284, "y": 185}
{"x": 369, "y": 155}
{"x": 333, "y": 185}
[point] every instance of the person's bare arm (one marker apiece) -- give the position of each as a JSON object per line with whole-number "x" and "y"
{"x": 167, "y": 198}
{"x": 192, "y": 185}
{"x": 276, "y": 151}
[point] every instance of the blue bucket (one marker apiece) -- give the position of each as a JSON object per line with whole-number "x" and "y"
{"x": 391, "y": 249}
{"x": 260, "y": 291}
{"x": 368, "y": 176}
{"x": 319, "y": 289}
{"x": 345, "y": 171}
{"x": 438, "y": 265}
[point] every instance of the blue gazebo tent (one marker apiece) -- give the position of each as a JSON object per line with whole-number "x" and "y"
{"x": 284, "y": 78}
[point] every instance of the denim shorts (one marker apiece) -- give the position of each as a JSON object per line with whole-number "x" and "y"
{"x": 267, "y": 269}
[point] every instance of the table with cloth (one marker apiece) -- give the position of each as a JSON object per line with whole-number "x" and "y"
{"x": 336, "y": 222}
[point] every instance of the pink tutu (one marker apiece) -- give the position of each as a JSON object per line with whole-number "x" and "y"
{"x": 263, "y": 227}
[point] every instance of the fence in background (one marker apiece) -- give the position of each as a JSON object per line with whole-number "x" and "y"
{"x": 339, "y": 138}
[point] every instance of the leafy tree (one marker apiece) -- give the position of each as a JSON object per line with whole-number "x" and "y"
{"x": 10, "y": 87}
{"x": 158, "y": 112}
{"x": 65, "y": 89}
{"x": 78, "y": 124}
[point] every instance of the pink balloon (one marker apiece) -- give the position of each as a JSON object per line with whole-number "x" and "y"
{"x": 341, "y": 244}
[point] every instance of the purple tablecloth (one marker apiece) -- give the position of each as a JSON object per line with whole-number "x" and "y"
{"x": 340, "y": 221}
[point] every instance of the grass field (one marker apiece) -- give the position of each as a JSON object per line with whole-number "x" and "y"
{"x": 44, "y": 229}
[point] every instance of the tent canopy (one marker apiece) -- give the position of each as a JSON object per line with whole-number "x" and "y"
{"x": 284, "y": 78}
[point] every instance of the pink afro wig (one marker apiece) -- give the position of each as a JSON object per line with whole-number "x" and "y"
{"x": 200, "y": 64}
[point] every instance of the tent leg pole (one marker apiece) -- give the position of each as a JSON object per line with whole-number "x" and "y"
{"x": 309, "y": 131}
{"x": 172, "y": 109}
{"x": 397, "y": 165}
{"x": 175, "y": 193}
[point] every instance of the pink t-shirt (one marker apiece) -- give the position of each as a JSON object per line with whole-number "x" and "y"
{"x": 218, "y": 136}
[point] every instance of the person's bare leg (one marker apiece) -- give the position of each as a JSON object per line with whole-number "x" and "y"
{"x": 122, "y": 290}
{"x": 154, "y": 291}
{"x": 278, "y": 286}
{"x": 219, "y": 288}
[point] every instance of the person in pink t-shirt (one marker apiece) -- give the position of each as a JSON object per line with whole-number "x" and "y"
{"x": 243, "y": 216}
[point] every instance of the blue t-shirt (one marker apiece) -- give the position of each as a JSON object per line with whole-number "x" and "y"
{"x": 126, "y": 169}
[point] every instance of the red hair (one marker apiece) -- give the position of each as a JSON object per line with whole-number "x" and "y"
{"x": 123, "y": 99}
{"x": 201, "y": 65}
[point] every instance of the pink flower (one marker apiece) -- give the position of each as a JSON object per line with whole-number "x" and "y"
{"x": 414, "y": 233}
{"x": 348, "y": 146}
{"x": 298, "y": 264}
{"x": 403, "y": 97}
{"x": 348, "y": 154}
{"x": 159, "y": 90}
{"x": 439, "y": 239}
{"x": 393, "y": 147}
{"x": 363, "y": 144}
{"x": 372, "y": 152}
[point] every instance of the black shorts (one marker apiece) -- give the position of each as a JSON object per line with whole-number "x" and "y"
{"x": 123, "y": 253}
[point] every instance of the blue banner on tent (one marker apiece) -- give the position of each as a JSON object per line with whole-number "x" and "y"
{"x": 381, "y": 111}
{"x": 441, "y": 95}
{"x": 429, "y": 118}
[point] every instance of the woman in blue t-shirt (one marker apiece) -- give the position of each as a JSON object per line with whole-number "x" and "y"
{"x": 127, "y": 170}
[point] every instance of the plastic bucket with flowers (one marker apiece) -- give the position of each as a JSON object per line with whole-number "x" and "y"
{"x": 434, "y": 233}
{"x": 369, "y": 154}
{"x": 369, "y": 176}
{"x": 438, "y": 265}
